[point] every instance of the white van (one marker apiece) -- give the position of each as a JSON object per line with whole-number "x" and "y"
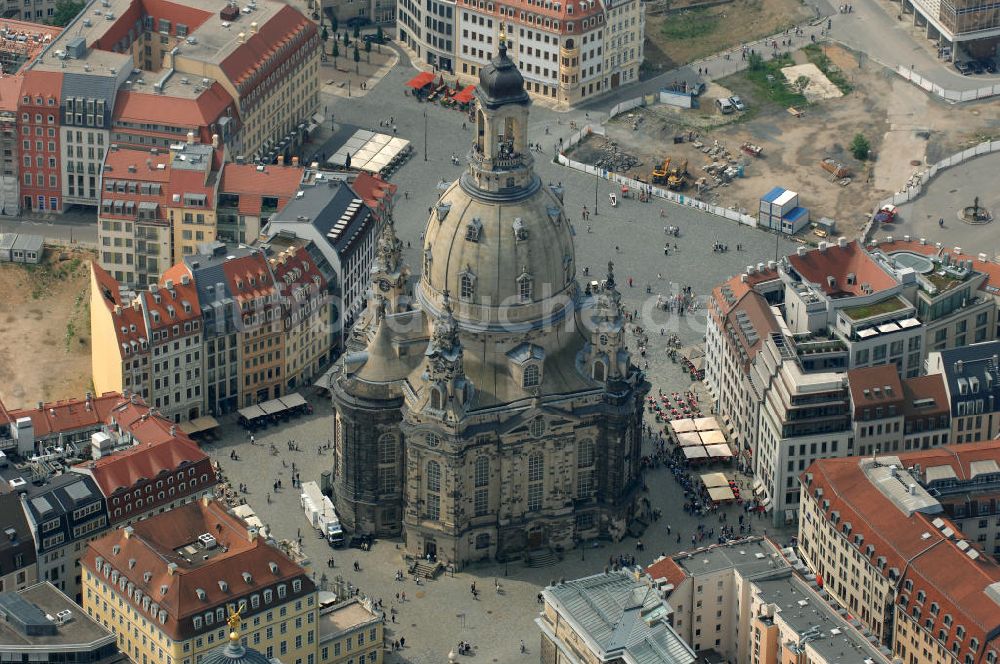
{"x": 725, "y": 106}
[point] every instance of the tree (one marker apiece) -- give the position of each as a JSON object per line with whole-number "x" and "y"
{"x": 755, "y": 61}
{"x": 860, "y": 147}
{"x": 325, "y": 36}
{"x": 66, "y": 11}
{"x": 347, "y": 39}
{"x": 368, "y": 51}
{"x": 333, "y": 22}
{"x": 357, "y": 30}
{"x": 357, "y": 60}
{"x": 802, "y": 82}
{"x": 336, "y": 53}
{"x": 379, "y": 38}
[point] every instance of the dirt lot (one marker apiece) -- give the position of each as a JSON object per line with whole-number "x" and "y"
{"x": 685, "y": 36}
{"x": 45, "y": 325}
{"x": 903, "y": 124}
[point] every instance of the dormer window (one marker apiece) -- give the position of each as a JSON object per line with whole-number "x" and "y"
{"x": 473, "y": 230}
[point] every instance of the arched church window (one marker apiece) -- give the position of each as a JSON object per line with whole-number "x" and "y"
{"x": 432, "y": 440}
{"x": 387, "y": 448}
{"x": 473, "y": 230}
{"x": 537, "y": 427}
{"x": 524, "y": 287}
{"x": 531, "y": 376}
{"x": 600, "y": 371}
{"x": 467, "y": 286}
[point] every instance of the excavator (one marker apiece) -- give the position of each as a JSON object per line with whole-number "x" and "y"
{"x": 677, "y": 176}
{"x": 661, "y": 173}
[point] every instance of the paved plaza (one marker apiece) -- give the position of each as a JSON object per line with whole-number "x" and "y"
{"x": 438, "y": 614}
{"x": 951, "y": 190}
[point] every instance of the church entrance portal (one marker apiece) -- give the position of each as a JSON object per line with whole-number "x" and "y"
{"x": 536, "y": 538}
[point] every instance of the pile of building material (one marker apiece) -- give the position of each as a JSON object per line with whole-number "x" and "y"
{"x": 614, "y": 159}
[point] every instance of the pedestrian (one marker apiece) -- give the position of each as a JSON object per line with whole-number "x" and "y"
{"x": 523, "y": 649}
{"x": 402, "y": 642}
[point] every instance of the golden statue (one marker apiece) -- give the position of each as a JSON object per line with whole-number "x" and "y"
{"x": 503, "y": 35}
{"x": 234, "y": 621}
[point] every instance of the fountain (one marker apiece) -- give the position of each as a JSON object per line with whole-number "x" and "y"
{"x": 975, "y": 213}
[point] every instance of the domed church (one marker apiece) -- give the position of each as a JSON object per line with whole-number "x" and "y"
{"x": 492, "y": 407}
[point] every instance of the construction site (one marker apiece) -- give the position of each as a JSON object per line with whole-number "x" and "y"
{"x": 733, "y": 159}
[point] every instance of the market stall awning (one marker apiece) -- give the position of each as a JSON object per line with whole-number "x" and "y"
{"x": 688, "y": 439}
{"x": 251, "y": 412}
{"x": 293, "y": 400}
{"x": 719, "y": 451}
{"x": 695, "y": 452}
{"x": 681, "y": 426}
{"x": 713, "y": 437}
{"x": 199, "y": 424}
{"x": 714, "y": 479}
{"x": 420, "y": 80}
{"x": 706, "y": 423}
{"x": 721, "y": 494}
{"x": 465, "y": 96}
{"x": 272, "y": 407}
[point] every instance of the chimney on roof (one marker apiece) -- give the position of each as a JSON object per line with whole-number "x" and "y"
{"x": 215, "y": 140}
{"x": 173, "y": 429}
{"x": 253, "y": 28}
{"x": 295, "y": 161}
{"x": 205, "y": 501}
{"x": 241, "y": 37}
{"x": 41, "y": 405}
{"x": 281, "y": 160}
{"x": 842, "y": 242}
{"x": 128, "y": 531}
{"x": 190, "y": 138}
{"x": 959, "y": 365}
{"x": 171, "y": 568}
{"x": 822, "y": 247}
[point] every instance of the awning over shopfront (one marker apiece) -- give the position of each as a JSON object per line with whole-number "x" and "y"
{"x": 199, "y": 424}
{"x": 465, "y": 96}
{"x": 420, "y": 80}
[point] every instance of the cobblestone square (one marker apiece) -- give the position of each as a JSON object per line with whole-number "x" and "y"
{"x": 437, "y": 614}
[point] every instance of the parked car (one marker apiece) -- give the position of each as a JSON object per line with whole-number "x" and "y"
{"x": 975, "y": 66}
{"x": 374, "y": 38}
{"x": 738, "y": 103}
{"x": 989, "y": 66}
{"x": 725, "y": 106}
{"x": 963, "y": 68}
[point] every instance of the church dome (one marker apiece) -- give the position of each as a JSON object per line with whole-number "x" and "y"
{"x": 500, "y": 82}
{"x": 501, "y": 262}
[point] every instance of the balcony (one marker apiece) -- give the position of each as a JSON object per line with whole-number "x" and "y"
{"x": 509, "y": 162}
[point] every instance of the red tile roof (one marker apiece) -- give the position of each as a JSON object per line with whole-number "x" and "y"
{"x": 36, "y": 37}
{"x": 248, "y": 63}
{"x": 45, "y": 84}
{"x": 374, "y": 191}
{"x": 10, "y": 92}
{"x": 300, "y": 269}
{"x": 251, "y": 185}
{"x": 838, "y": 262}
{"x": 157, "y": 451}
{"x": 176, "y": 297}
{"x": 760, "y": 317}
{"x": 241, "y": 270}
{"x": 580, "y": 10}
{"x": 874, "y": 380}
{"x": 912, "y": 544}
{"x": 154, "y": 542}
{"x": 926, "y": 387}
{"x": 666, "y": 568}
{"x": 145, "y": 107}
{"x": 175, "y": 13}
{"x": 146, "y": 165}
{"x": 129, "y": 322}
{"x": 189, "y": 182}
{"x": 69, "y": 415}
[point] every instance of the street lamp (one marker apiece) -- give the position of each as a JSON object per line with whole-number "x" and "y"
{"x": 425, "y": 134}
{"x": 597, "y": 181}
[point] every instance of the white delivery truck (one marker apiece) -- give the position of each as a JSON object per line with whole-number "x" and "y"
{"x": 321, "y": 514}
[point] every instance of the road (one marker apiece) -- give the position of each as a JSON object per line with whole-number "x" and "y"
{"x": 69, "y": 228}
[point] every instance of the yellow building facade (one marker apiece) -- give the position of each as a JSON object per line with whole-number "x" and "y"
{"x": 175, "y": 613}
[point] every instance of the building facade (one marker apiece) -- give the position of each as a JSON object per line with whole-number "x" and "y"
{"x": 349, "y": 631}
{"x": 906, "y": 544}
{"x": 568, "y": 52}
{"x": 531, "y": 438}
{"x": 971, "y": 375}
{"x": 18, "y": 562}
{"x": 179, "y": 575}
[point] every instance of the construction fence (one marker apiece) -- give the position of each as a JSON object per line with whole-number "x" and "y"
{"x": 948, "y": 95}
{"x": 916, "y": 185}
